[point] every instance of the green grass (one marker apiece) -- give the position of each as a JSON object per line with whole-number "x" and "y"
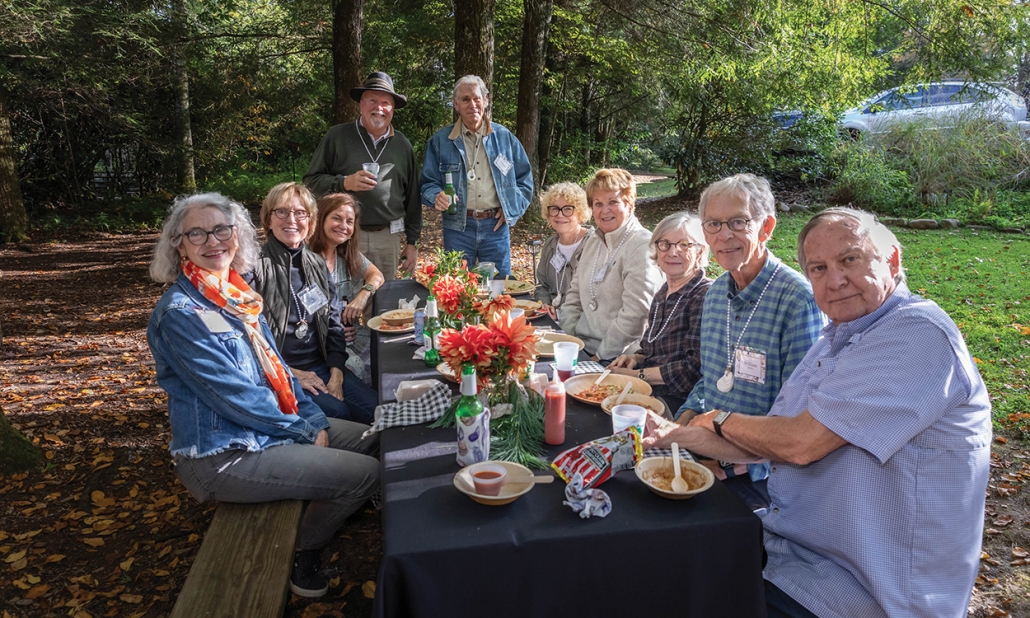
{"x": 657, "y": 188}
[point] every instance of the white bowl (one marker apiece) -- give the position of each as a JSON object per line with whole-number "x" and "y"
{"x": 648, "y": 466}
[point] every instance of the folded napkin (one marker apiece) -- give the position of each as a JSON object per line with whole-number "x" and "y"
{"x": 667, "y": 452}
{"x": 583, "y": 367}
{"x": 588, "y": 502}
{"x": 428, "y": 407}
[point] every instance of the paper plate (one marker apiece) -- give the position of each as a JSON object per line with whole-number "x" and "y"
{"x": 644, "y": 401}
{"x": 545, "y": 347}
{"x": 576, "y": 385}
{"x": 528, "y": 305}
{"x": 379, "y": 326}
{"x": 518, "y": 288}
{"x": 510, "y": 492}
{"x": 646, "y": 467}
{"x": 445, "y": 370}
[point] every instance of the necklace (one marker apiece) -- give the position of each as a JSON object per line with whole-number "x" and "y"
{"x": 475, "y": 154}
{"x": 725, "y": 383}
{"x": 560, "y": 274}
{"x": 301, "y": 330}
{"x": 651, "y": 337}
{"x": 375, "y": 159}
{"x": 594, "y": 272}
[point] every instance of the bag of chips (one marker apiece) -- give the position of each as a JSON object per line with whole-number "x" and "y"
{"x": 599, "y": 459}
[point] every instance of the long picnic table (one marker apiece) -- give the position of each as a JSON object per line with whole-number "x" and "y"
{"x": 445, "y": 555}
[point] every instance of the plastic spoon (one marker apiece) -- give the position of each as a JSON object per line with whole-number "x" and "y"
{"x": 603, "y": 376}
{"x": 625, "y": 391}
{"x": 529, "y": 479}
{"x": 678, "y": 484}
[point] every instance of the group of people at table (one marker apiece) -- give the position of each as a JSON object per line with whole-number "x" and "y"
{"x": 846, "y": 411}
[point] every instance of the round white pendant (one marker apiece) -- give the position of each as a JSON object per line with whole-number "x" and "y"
{"x": 593, "y": 305}
{"x": 725, "y": 383}
{"x": 471, "y": 175}
{"x": 302, "y": 330}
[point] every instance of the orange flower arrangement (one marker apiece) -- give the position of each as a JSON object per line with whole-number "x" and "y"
{"x": 498, "y": 349}
{"x": 491, "y": 308}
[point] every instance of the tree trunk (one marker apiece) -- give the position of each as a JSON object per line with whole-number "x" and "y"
{"x": 536, "y": 22}
{"x": 474, "y": 39}
{"x": 17, "y": 453}
{"x": 347, "y": 17}
{"x": 185, "y": 174}
{"x": 13, "y": 221}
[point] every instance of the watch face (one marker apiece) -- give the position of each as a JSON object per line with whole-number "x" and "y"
{"x": 721, "y": 416}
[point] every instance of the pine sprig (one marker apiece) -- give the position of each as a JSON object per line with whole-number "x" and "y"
{"x": 519, "y": 437}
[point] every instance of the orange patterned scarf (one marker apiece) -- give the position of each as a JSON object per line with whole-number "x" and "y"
{"x": 236, "y": 297}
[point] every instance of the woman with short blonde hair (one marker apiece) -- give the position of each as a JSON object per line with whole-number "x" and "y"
{"x": 565, "y": 209}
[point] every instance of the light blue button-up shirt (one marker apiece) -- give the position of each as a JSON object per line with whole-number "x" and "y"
{"x": 890, "y": 524}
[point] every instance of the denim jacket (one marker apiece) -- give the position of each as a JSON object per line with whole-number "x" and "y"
{"x": 444, "y": 154}
{"x": 218, "y": 396}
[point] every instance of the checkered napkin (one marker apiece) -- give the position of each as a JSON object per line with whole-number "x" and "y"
{"x": 583, "y": 367}
{"x": 667, "y": 452}
{"x": 429, "y": 407}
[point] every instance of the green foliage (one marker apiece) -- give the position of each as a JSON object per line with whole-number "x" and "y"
{"x": 969, "y": 171}
{"x": 249, "y": 184}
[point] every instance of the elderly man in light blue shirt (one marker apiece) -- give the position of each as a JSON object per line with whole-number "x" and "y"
{"x": 879, "y": 443}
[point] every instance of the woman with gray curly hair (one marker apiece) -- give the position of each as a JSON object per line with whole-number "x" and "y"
{"x": 243, "y": 430}
{"x": 669, "y": 357}
{"x": 565, "y": 209}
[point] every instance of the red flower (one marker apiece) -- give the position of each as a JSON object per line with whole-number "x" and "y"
{"x": 448, "y": 291}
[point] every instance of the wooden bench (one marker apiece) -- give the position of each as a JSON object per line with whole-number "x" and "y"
{"x": 243, "y": 566}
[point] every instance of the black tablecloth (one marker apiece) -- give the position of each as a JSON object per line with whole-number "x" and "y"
{"x": 392, "y": 363}
{"x": 445, "y": 555}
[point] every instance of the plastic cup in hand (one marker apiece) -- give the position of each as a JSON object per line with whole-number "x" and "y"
{"x": 488, "y": 478}
{"x": 628, "y": 415}
{"x": 516, "y": 313}
{"x": 566, "y": 354}
{"x": 371, "y": 168}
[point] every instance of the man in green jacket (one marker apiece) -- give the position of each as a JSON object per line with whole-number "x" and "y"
{"x": 371, "y": 160}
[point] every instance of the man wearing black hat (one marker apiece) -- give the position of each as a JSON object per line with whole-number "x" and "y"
{"x": 375, "y": 163}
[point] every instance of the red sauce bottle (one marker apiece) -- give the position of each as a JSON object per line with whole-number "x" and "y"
{"x": 554, "y": 411}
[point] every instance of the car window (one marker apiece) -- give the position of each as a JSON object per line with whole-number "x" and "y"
{"x": 944, "y": 94}
{"x": 971, "y": 95}
{"x": 896, "y": 100}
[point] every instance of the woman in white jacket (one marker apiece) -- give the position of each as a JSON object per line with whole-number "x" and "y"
{"x": 610, "y": 295}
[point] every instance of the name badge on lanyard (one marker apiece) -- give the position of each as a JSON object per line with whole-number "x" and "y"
{"x": 749, "y": 365}
{"x": 558, "y": 262}
{"x": 313, "y": 299}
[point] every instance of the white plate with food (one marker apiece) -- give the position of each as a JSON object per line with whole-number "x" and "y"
{"x": 398, "y": 317}
{"x": 513, "y": 287}
{"x": 657, "y": 474}
{"x": 377, "y": 324}
{"x": 636, "y": 399}
{"x": 582, "y": 387}
{"x": 545, "y": 347}
{"x": 510, "y": 491}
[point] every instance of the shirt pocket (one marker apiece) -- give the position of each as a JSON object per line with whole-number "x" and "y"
{"x": 452, "y": 167}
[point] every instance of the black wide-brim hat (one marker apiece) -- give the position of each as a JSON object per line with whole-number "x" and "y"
{"x": 379, "y": 81}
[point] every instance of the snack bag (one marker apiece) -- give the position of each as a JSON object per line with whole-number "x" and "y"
{"x": 599, "y": 459}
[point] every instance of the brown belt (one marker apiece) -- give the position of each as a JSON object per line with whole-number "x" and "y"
{"x": 373, "y": 228}
{"x": 483, "y": 214}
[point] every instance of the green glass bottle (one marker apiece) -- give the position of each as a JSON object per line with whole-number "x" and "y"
{"x": 448, "y": 190}
{"x": 469, "y": 404}
{"x": 432, "y": 333}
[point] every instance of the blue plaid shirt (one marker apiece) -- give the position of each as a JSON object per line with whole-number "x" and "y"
{"x": 785, "y": 325}
{"x": 889, "y": 524}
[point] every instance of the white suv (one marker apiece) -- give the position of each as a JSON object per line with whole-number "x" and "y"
{"x": 941, "y": 102}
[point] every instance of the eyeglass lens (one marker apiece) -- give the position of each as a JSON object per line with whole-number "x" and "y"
{"x": 565, "y": 210}
{"x": 198, "y": 237}
{"x": 284, "y": 213}
{"x": 664, "y": 245}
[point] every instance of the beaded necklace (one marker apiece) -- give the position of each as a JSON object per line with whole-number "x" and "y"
{"x": 725, "y": 383}
{"x": 593, "y": 271}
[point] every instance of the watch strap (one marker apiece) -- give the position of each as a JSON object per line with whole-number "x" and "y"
{"x": 717, "y": 422}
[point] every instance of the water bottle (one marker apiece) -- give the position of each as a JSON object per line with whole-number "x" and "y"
{"x": 420, "y": 324}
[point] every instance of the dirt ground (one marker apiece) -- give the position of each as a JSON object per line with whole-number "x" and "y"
{"x": 105, "y": 529}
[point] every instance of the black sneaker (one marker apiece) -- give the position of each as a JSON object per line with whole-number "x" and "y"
{"x": 377, "y": 500}
{"x": 306, "y": 579}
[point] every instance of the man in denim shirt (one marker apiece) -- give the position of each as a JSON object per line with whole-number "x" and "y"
{"x": 492, "y": 178}
{"x": 879, "y": 443}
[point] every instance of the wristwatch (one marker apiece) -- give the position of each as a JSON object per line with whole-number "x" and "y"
{"x": 719, "y": 419}
{"x": 640, "y": 374}
{"x": 368, "y": 287}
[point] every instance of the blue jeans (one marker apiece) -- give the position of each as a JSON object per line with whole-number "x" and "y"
{"x": 480, "y": 243}
{"x": 778, "y": 604}
{"x": 359, "y": 401}
{"x": 337, "y": 480}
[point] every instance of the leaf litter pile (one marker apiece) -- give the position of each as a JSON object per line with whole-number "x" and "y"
{"x": 105, "y": 528}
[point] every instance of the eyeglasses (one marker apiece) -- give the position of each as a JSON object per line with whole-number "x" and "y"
{"x": 737, "y": 225}
{"x": 684, "y": 246}
{"x": 284, "y": 214}
{"x": 198, "y": 237}
{"x": 568, "y": 211}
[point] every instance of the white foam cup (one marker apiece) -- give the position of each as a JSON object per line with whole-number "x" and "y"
{"x": 628, "y": 415}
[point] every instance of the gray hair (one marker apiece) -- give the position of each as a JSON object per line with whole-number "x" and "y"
{"x": 166, "y": 265}
{"x": 754, "y": 191}
{"x": 691, "y": 224}
{"x": 864, "y": 224}
{"x": 471, "y": 80}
